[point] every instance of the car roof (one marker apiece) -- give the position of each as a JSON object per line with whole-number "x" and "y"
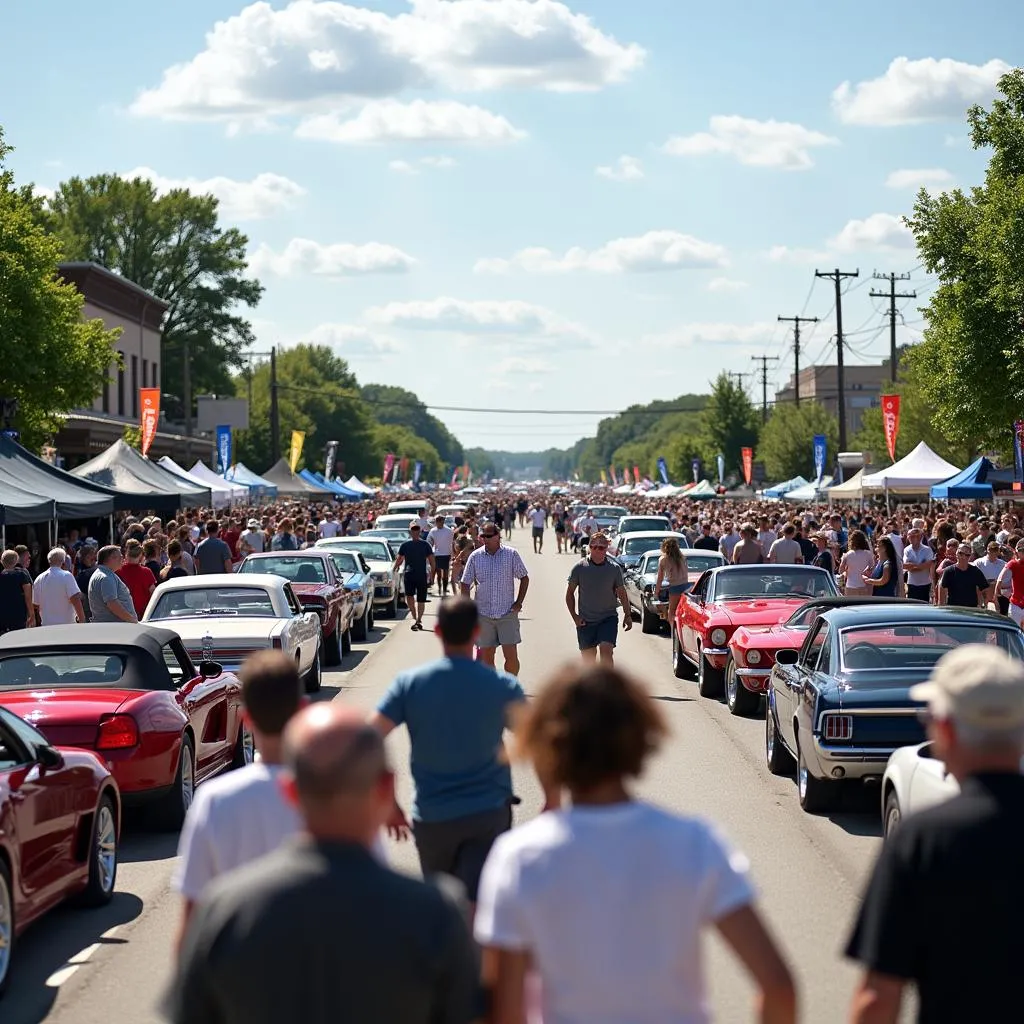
{"x": 94, "y": 634}
{"x": 915, "y": 613}
{"x": 641, "y": 534}
{"x": 303, "y": 553}
{"x": 224, "y": 579}
{"x": 767, "y": 568}
{"x": 646, "y": 515}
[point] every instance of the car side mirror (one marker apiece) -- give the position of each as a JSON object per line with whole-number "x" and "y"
{"x": 787, "y": 656}
{"x": 211, "y": 669}
{"x": 49, "y": 757}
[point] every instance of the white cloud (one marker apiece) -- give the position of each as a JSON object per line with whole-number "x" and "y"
{"x": 342, "y": 259}
{"x": 418, "y": 121}
{"x": 439, "y": 163}
{"x": 314, "y": 54}
{"x": 726, "y": 284}
{"x": 626, "y": 168}
{"x": 263, "y": 196}
{"x": 879, "y": 231}
{"x": 656, "y": 250}
{"x": 688, "y": 335}
{"x": 520, "y": 365}
{"x": 916, "y": 179}
{"x": 914, "y": 91}
{"x": 352, "y": 342}
{"x": 754, "y": 143}
{"x": 402, "y": 167}
{"x": 796, "y": 255}
{"x": 44, "y": 190}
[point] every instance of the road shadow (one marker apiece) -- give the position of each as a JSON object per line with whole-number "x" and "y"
{"x": 858, "y": 823}
{"x": 141, "y": 842}
{"x": 46, "y": 946}
{"x": 672, "y": 699}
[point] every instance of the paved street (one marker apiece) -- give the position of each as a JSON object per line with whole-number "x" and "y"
{"x": 109, "y": 967}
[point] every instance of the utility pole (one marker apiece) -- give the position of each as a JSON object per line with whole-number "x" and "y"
{"x": 738, "y": 377}
{"x": 892, "y": 295}
{"x": 836, "y": 276}
{"x": 275, "y": 421}
{"x": 797, "y": 321}
{"x": 763, "y": 360}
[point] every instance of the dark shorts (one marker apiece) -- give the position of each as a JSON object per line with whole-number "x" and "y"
{"x": 459, "y": 847}
{"x": 679, "y": 588}
{"x": 442, "y": 562}
{"x": 538, "y": 531}
{"x": 919, "y": 593}
{"x": 593, "y": 634}
{"x": 416, "y": 587}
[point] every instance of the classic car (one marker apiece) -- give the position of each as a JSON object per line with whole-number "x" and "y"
{"x": 607, "y": 517}
{"x": 638, "y": 524}
{"x": 724, "y": 599}
{"x": 380, "y": 557}
{"x": 60, "y": 821}
{"x": 840, "y": 706}
{"x": 319, "y": 587}
{"x": 394, "y": 538}
{"x": 358, "y": 580}
{"x": 131, "y": 693}
{"x": 640, "y": 580}
{"x": 225, "y": 618}
{"x": 628, "y": 549}
{"x": 752, "y": 649}
{"x": 914, "y": 779}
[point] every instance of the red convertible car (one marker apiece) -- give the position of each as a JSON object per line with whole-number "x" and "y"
{"x": 727, "y": 598}
{"x": 319, "y": 586}
{"x": 130, "y": 693}
{"x": 60, "y": 817}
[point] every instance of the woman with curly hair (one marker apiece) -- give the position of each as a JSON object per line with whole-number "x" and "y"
{"x": 672, "y": 575}
{"x": 597, "y": 910}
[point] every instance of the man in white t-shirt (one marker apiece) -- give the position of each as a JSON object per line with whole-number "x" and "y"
{"x": 440, "y": 539}
{"x": 251, "y": 539}
{"x": 423, "y": 522}
{"x": 55, "y": 593}
{"x": 329, "y": 527}
{"x": 919, "y": 562}
{"x": 538, "y": 520}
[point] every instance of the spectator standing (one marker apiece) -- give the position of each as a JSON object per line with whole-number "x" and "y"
{"x": 786, "y": 550}
{"x": 398, "y": 949}
{"x": 1014, "y": 571}
{"x": 747, "y": 551}
{"x": 86, "y": 567}
{"x": 440, "y": 539}
{"x": 109, "y": 598}
{"x": 728, "y": 541}
{"x": 329, "y": 526}
{"x": 139, "y": 580}
{"x": 175, "y": 567}
{"x": 963, "y": 584}
{"x": 231, "y": 536}
{"x": 538, "y": 520}
{"x": 417, "y": 556}
{"x": 589, "y": 731}
{"x": 885, "y": 576}
{"x": 251, "y": 539}
{"x": 284, "y": 539}
{"x": 991, "y": 567}
{"x": 16, "y": 609}
{"x": 967, "y": 849}
{"x": 212, "y": 554}
{"x": 706, "y": 541}
{"x": 602, "y": 591}
{"x": 919, "y": 561}
{"x": 494, "y": 570}
{"x": 823, "y": 559}
{"x": 856, "y": 565}
{"x": 55, "y": 593}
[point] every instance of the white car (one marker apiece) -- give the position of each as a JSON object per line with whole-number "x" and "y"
{"x": 914, "y": 779}
{"x": 225, "y": 617}
{"x": 380, "y": 557}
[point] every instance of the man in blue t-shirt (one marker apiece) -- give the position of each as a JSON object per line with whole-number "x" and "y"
{"x": 456, "y": 710}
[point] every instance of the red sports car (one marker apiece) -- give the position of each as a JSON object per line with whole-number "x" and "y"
{"x": 60, "y": 817}
{"x": 319, "y": 586}
{"x": 131, "y": 693}
{"x": 728, "y": 598}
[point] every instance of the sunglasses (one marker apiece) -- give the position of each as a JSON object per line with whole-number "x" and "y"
{"x": 489, "y": 536}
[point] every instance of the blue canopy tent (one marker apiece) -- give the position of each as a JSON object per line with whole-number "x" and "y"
{"x": 239, "y": 473}
{"x": 970, "y": 484}
{"x": 779, "y": 490}
{"x": 317, "y": 481}
{"x": 339, "y": 488}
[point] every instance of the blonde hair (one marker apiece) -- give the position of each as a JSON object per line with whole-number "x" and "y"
{"x": 671, "y": 550}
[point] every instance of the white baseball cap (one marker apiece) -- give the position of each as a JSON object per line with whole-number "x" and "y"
{"x": 978, "y": 685}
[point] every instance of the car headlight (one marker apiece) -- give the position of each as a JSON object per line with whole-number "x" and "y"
{"x": 718, "y": 637}
{"x": 382, "y": 577}
{"x": 753, "y": 657}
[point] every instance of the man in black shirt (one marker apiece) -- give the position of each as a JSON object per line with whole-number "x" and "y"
{"x": 16, "y": 611}
{"x": 418, "y": 557}
{"x": 945, "y": 902}
{"x": 320, "y": 931}
{"x": 705, "y": 542}
{"x": 963, "y": 584}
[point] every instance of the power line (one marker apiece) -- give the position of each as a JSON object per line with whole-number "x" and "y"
{"x": 764, "y": 360}
{"x": 892, "y": 296}
{"x": 797, "y": 321}
{"x": 836, "y": 276}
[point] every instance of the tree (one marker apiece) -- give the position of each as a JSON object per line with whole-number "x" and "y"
{"x": 317, "y": 393}
{"x": 174, "y": 247}
{"x": 52, "y": 360}
{"x": 390, "y": 404}
{"x": 971, "y": 360}
{"x": 729, "y": 422}
{"x": 786, "y": 445}
{"x": 680, "y": 453}
{"x": 404, "y": 444}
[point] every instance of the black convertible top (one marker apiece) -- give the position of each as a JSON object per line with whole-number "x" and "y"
{"x": 91, "y": 634}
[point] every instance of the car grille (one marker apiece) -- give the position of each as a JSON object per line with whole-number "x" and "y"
{"x": 226, "y": 654}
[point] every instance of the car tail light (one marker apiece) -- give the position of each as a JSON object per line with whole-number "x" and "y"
{"x": 117, "y": 732}
{"x": 838, "y": 727}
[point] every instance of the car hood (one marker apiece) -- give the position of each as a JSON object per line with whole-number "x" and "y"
{"x": 379, "y": 566}
{"x": 355, "y": 580}
{"x": 759, "y": 611}
{"x": 224, "y": 627}
{"x": 312, "y": 589}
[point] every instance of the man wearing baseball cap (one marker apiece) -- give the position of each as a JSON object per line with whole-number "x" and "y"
{"x": 944, "y": 906}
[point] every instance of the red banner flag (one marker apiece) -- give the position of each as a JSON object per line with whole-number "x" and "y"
{"x": 636, "y": 474}
{"x": 389, "y": 462}
{"x": 150, "y": 415}
{"x": 747, "y": 455}
{"x": 891, "y": 422}
{"x": 404, "y": 471}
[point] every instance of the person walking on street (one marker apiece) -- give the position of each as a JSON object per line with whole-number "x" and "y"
{"x": 55, "y": 594}
{"x": 606, "y": 900}
{"x": 139, "y": 580}
{"x": 673, "y": 576}
{"x": 919, "y": 561}
{"x": 494, "y": 571}
{"x": 963, "y": 584}
{"x": 399, "y": 948}
{"x": 109, "y": 598}
{"x": 538, "y": 520}
{"x": 1013, "y": 572}
{"x": 602, "y": 591}
{"x": 953, "y": 870}
{"x": 420, "y": 568}
{"x": 440, "y": 540}
{"x": 212, "y": 554}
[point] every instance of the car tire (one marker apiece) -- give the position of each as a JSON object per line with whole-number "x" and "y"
{"x": 314, "y": 677}
{"x": 816, "y": 795}
{"x": 710, "y": 680}
{"x": 245, "y": 749}
{"x": 740, "y": 701}
{"x": 892, "y": 814}
{"x": 372, "y": 622}
{"x": 170, "y": 810}
{"x": 361, "y": 627}
{"x": 393, "y": 607}
{"x": 649, "y": 623}
{"x": 680, "y": 666}
{"x": 332, "y": 648}
{"x": 778, "y": 758}
{"x": 103, "y": 851}
{"x": 6, "y": 925}
{"x": 346, "y": 642}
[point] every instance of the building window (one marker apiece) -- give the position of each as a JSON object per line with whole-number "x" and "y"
{"x": 120, "y": 383}
{"x": 135, "y": 387}
{"x": 154, "y": 383}
{"x": 145, "y": 371}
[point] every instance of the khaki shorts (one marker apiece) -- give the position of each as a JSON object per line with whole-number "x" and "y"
{"x": 503, "y": 632}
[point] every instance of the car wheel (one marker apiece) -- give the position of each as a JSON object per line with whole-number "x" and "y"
{"x": 245, "y": 748}
{"x": 892, "y": 815}
{"x": 680, "y": 666}
{"x": 6, "y": 924}
{"x": 709, "y": 678}
{"x": 779, "y": 759}
{"x": 314, "y": 676}
{"x": 816, "y": 795}
{"x": 740, "y": 700}
{"x": 393, "y": 607}
{"x": 649, "y": 623}
{"x": 362, "y": 627}
{"x": 372, "y": 619}
{"x": 102, "y": 857}
{"x": 171, "y": 809}
{"x": 346, "y": 642}
{"x": 332, "y": 647}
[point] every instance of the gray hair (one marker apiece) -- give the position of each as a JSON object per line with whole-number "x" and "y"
{"x": 56, "y": 556}
{"x": 10, "y": 558}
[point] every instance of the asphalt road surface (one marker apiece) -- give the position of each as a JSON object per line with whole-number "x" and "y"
{"x": 111, "y": 966}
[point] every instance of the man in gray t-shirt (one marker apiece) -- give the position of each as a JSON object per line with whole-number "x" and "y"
{"x": 786, "y": 550}
{"x": 601, "y": 592}
{"x": 110, "y": 600}
{"x": 213, "y": 554}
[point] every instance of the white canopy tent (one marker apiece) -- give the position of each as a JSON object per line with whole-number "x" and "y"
{"x": 353, "y": 483}
{"x": 220, "y": 492}
{"x": 238, "y": 492}
{"x": 850, "y": 490}
{"x": 665, "y": 491}
{"x": 913, "y": 474}
{"x": 809, "y": 492}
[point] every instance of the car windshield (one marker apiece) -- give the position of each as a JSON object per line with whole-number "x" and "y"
{"x": 917, "y": 647}
{"x": 298, "y": 570}
{"x": 699, "y": 563}
{"x": 374, "y": 551}
{"x": 780, "y": 581}
{"x": 387, "y": 534}
{"x": 606, "y": 512}
{"x": 640, "y": 545}
{"x": 636, "y": 525}
{"x": 346, "y": 561}
{"x": 53, "y": 670}
{"x": 191, "y": 601}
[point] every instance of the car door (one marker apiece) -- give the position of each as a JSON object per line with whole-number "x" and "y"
{"x": 788, "y": 682}
{"x": 693, "y": 610}
{"x": 305, "y": 628}
{"x": 207, "y": 706}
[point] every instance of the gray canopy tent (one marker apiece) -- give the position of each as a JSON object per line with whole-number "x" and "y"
{"x": 292, "y": 486}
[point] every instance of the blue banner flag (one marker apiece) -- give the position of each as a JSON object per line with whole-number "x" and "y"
{"x": 721, "y": 469}
{"x": 820, "y": 454}
{"x": 416, "y": 471}
{"x": 663, "y": 470}
{"x": 223, "y": 449}
{"x": 696, "y": 470}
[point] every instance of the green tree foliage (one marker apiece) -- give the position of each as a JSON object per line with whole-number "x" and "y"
{"x": 786, "y": 445}
{"x": 404, "y": 444}
{"x": 481, "y": 463}
{"x": 174, "y": 247}
{"x": 729, "y": 423}
{"x": 52, "y": 360}
{"x": 972, "y": 355}
{"x": 680, "y": 453}
{"x": 317, "y": 393}
{"x": 390, "y": 404}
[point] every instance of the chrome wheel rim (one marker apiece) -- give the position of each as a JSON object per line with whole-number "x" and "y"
{"x": 730, "y": 685}
{"x": 188, "y": 778}
{"x": 769, "y": 735}
{"x": 892, "y": 819}
{"x": 801, "y": 775}
{"x": 106, "y": 848}
{"x": 248, "y": 746}
{"x": 6, "y": 927}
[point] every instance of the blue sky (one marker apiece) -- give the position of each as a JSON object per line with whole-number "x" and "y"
{"x": 528, "y": 203}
